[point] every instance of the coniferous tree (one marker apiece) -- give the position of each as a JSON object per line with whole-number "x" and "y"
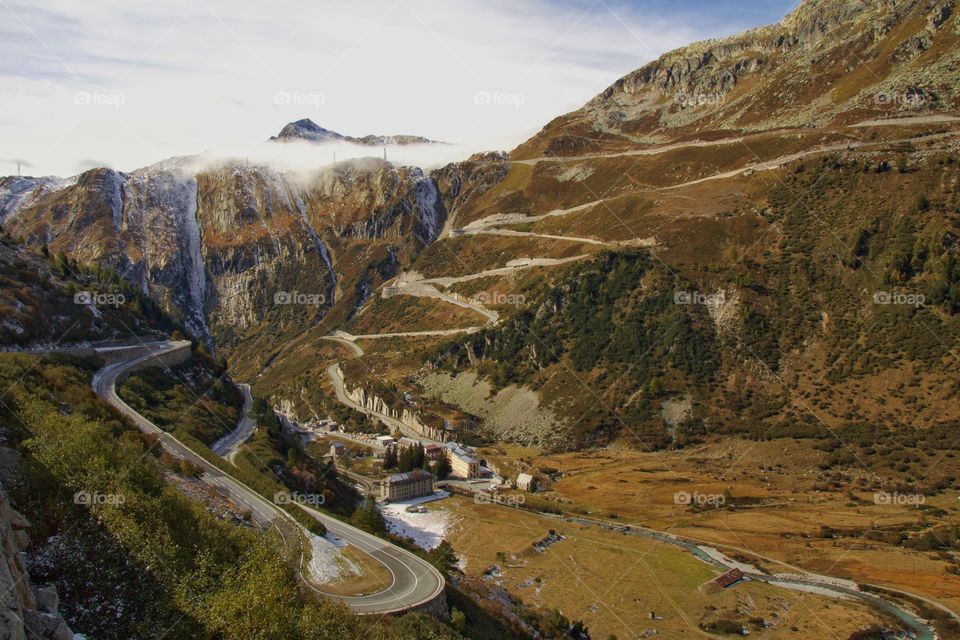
{"x": 390, "y": 458}
{"x": 443, "y": 468}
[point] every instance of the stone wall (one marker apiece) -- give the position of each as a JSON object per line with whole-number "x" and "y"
{"x": 170, "y": 359}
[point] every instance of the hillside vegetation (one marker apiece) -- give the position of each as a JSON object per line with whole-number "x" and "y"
{"x": 849, "y": 281}
{"x": 152, "y": 563}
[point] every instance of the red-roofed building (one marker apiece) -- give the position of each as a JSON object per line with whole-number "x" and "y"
{"x": 729, "y": 578}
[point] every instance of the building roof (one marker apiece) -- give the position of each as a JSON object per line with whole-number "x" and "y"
{"x": 727, "y": 579}
{"x": 338, "y": 445}
{"x": 432, "y": 447}
{"x": 416, "y": 474}
{"x": 524, "y": 477}
{"x": 407, "y": 442}
{"x": 467, "y": 459}
{"x": 385, "y": 438}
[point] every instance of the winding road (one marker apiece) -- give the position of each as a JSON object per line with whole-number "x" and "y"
{"x": 415, "y": 583}
{"x": 228, "y": 445}
{"x": 492, "y": 224}
{"x": 413, "y": 284}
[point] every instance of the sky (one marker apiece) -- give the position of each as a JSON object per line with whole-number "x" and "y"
{"x": 127, "y": 83}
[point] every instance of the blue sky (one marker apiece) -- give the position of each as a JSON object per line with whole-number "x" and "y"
{"x": 736, "y": 13}
{"x": 126, "y": 83}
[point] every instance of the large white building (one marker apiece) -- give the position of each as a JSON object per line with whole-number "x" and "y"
{"x": 464, "y": 466}
{"x": 404, "y": 486}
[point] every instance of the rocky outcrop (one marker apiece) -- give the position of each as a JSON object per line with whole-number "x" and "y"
{"x": 791, "y": 69}
{"x": 716, "y": 66}
{"x": 409, "y": 416}
{"x": 232, "y": 248}
{"x": 26, "y": 610}
{"x": 461, "y": 182}
{"x": 373, "y": 199}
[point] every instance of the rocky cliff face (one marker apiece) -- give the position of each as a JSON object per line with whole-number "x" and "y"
{"x": 399, "y": 410}
{"x": 233, "y": 248}
{"x": 462, "y": 182}
{"x": 828, "y": 61}
{"x": 26, "y": 611}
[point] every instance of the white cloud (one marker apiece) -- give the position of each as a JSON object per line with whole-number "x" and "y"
{"x": 132, "y": 82}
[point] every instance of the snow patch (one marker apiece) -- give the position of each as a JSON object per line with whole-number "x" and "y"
{"x": 327, "y": 562}
{"x": 426, "y": 530}
{"x": 17, "y": 192}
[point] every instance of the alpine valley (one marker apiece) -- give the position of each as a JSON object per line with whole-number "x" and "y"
{"x": 734, "y": 273}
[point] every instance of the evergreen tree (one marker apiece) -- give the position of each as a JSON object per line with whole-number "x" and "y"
{"x": 406, "y": 460}
{"x": 443, "y": 468}
{"x": 418, "y": 457}
{"x": 390, "y": 458}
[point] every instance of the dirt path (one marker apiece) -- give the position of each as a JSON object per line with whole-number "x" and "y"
{"x": 495, "y": 231}
{"x": 904, "y": 122}
{"x": 650, "y": 151}
{"x": 491, "y": 224}
{"x": 517, "y": 264}
{"x": 349, "y": 337}
{"x": 421, "y": 289}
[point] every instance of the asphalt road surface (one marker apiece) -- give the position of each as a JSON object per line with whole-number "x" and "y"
{"x": 414, "y": 581}
{"x": 229, "y": 443}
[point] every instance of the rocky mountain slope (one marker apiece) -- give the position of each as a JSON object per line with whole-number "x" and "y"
{"x": 789, "y": 214}
{"x": 828, "y": 62}
{"x": 790, "y": 173}
{"x": 232, "y": 249}
{"x": 44, "y": 304}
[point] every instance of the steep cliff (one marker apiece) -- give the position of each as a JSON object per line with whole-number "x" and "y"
{"x": 234, "y": 249}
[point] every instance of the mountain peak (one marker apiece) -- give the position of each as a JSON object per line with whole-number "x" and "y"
{"x": 308, "y": 130}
